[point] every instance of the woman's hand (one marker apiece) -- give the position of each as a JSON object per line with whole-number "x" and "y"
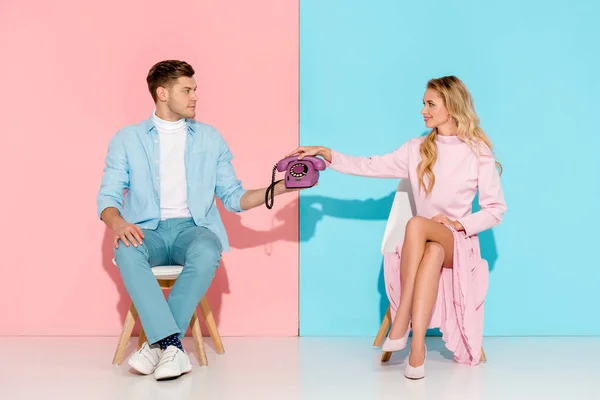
{"x": 442, "y": 219}
{"x": 314, "y": 151}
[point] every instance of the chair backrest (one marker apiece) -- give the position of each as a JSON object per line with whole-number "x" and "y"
{"x": 403, "y": 209}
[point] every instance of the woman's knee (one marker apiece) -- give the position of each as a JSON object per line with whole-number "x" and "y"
{"x": 416, "y": 226}
{"x": 435, "y": 251}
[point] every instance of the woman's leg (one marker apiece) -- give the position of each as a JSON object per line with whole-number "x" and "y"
{"x": 419, "y": 231}
{"x": 425, "y": 294}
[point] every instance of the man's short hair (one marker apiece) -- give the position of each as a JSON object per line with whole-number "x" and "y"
{"x": 165, "y": 72}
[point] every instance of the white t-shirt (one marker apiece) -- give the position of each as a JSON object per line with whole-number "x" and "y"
{"x": 173, "y": 187}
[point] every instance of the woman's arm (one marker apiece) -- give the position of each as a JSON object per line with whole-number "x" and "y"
{"x": 491, "y": 198}
{"x": 391, "y": 165}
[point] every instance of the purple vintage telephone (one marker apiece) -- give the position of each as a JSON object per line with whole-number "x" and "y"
{"x": 299, "y": 174}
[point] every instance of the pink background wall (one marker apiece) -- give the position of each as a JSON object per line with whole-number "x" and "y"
{"x": 73, "y": 73}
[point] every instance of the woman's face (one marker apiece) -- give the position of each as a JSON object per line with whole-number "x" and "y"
{"x": 434, "y": 111}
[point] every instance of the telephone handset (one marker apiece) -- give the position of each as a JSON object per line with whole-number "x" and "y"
{"x": 299, "y": 174}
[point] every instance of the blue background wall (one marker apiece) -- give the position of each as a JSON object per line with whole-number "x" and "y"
{"x": 533, "y": 71}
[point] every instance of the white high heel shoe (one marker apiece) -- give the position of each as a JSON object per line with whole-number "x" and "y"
{"x": 415, "y": 372}
{"x": 391, "y": 345}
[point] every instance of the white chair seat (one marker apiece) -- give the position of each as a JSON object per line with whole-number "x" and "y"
{"x": 403, "y": 209}
{"x": 167, "y": 272}
{"x": 164, "y": 272}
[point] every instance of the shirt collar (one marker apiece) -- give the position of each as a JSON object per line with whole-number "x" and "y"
{"x": 148, "y": 125}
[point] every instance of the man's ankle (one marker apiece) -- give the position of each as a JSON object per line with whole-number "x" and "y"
{"x": 172, "y": 340}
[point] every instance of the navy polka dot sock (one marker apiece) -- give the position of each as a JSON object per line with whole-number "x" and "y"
{"x": 172, "y": 340}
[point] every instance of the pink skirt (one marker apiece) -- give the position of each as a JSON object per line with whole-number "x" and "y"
{"x": 458, "y": 310}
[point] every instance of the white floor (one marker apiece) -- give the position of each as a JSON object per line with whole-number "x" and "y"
{"x": 303, "y": 368}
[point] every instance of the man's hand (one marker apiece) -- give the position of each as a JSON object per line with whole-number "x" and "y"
{"x": 123, "y": 230}
{"x": 442, "y": 219}
{"x": 256, "y": 197}
{"x": 127, "y": 232}
{"x": 280, "y": 188}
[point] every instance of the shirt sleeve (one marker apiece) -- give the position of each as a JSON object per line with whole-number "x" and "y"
{"x": 228, "y": 187}
{"x": 491, "y": 197}
{"x": 391, "y": 165}
{"x": 115, "y": 178}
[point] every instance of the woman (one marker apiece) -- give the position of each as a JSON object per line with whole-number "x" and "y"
{"x": 438, "y": 269}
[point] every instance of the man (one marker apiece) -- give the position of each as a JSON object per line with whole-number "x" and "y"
{"x": 172, "y": 166}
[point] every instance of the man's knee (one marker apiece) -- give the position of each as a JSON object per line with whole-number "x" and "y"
{"x": 204, "y": 253}
{"x": 126, "y": 256}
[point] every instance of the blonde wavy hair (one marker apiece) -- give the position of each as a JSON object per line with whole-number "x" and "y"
{"x": 459, "y": 103}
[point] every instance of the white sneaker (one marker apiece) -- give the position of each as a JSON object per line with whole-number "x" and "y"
{"x": 172, "y": 364}
{"x": 145, "y": 359}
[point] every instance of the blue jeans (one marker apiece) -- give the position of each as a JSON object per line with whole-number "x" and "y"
{"x": 175, "y": 241}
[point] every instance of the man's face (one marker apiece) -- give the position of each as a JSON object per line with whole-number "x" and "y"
{"x": 181, "y": 97}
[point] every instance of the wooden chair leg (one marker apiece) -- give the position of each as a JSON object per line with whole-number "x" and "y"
{"x": 386, "y": 356}
{"x": 482, "y": 358}
{"x": 142, "y": 338}
{"x": 383, "y": 329}
{"x": 198, "y": 341}
{"x": 125, "y": 335}
{"x": 211, "y": 324}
